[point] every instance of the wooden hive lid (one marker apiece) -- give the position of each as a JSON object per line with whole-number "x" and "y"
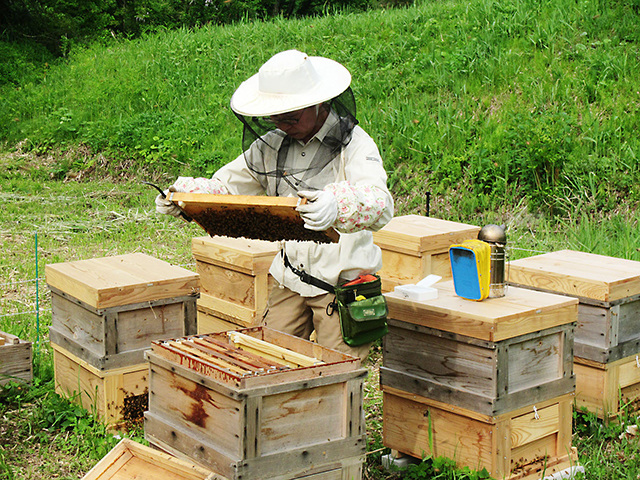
{"x": 129, "y": 460}
{"x": 414, "y": 234}
{"x": 580, "y": 274}
{"x": 121, "y": 280}
{"x": 253, "y": 256}
{"x": 519, "y": 312}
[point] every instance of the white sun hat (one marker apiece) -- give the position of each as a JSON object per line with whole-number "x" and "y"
{"x": 289, "y": 81}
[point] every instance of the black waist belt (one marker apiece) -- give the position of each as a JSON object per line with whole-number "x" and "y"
{"x": 306, "y": 278}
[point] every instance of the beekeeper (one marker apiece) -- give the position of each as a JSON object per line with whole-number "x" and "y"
{"x": 301, "y": 138}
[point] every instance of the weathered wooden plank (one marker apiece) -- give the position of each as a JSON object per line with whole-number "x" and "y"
{"x": 297, "y": 463}
{"x": 164, "y": 359}
{"x": 354, "y": 401}
{"x": 16, "y": 357}
{"x": 536, "y": 361}
{"x": 9, "y": 339}
{"x": 197, "y": 408}
{"x": 320, "y": 412}
{"x": 628, "y": 321}
{"x": 76, "y": 322}
{"x": 97, "y": 360}
{"x": 608, "y": 290}
{"x": 594, "y": 326}
{"x": 313, "y": 462}
{"x": 488, "y": 377}
{"x": 449, "y": 363}
{"x": 118, "y": 336}
{"x": 419, "y": 385}
{"x": 135, "y": 329}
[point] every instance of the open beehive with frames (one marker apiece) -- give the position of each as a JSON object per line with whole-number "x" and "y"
{"x": 257, "y": 403}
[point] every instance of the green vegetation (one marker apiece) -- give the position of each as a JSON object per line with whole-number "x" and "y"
{"x": 513, "y": 99}
{"x": 516, "y": 112}
{"x": 63, "y": 25}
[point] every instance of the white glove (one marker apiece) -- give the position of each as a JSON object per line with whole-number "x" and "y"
{"x": 166, "y": 206}
{"x": 321, "y": 210}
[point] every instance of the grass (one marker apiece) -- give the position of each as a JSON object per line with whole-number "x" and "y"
{"x": 513, "y": 98}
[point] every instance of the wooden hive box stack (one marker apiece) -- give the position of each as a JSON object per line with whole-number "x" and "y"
{"x": 607, "y": 338}
{"x": 105, "y": 314}
{"x": 489, "y": 384}
{"x": 258, "y": 403}
{"x": 16, "y": 359}
{"x": 234, "y": 281}
{"x": 414, "y": 247}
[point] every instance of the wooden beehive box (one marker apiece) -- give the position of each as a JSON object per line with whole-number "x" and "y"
{"x": 258, "y": 403}
{"x": 608, "y": 290}
{"x": 490, "y": 357}
{"x": 16, "y": 359}
{"x": 117, "y": 396}
{"x": 608, "y": 389}
{"x": 107, "y": 310}
{"x": 234, "y": 281}
{"x": 129, "y": 460}
{"x": 530, "y": 442}
{"x": 414, "y": 247}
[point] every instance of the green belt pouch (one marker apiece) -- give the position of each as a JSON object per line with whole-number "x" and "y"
{"x": 364, "y": 320}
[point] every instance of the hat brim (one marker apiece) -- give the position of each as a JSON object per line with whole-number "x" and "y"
{"x": 248, "y": 100}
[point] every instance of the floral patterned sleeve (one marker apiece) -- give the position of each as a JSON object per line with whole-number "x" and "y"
{"x": 200, "y": 185}
{"x": 360, "y": 207}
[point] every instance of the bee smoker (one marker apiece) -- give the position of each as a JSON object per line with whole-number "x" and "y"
{"x": 496, "y": 237}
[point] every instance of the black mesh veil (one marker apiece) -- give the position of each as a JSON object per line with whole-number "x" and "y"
{"x": 266, "y": 147}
